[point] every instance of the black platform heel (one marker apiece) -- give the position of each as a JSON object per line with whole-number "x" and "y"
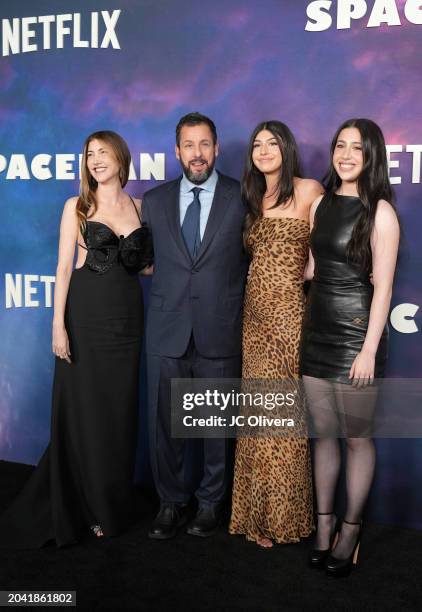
{"x": 343, "y": 567}
{"x": 317, "y": 557}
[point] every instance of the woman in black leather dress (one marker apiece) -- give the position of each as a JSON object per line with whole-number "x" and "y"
{"x": 85, "y": 477}
{"x": 344, "y": 340}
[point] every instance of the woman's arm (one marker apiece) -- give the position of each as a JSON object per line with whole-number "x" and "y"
{"x": 68, "y": 236}
{"x": 310, "y": 266}
{"x": 384, "y": 246}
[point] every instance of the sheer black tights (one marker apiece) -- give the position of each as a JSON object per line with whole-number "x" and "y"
{"x": 339, "y": 410}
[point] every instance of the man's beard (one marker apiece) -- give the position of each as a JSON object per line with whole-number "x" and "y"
{"x": 198, "y": 177}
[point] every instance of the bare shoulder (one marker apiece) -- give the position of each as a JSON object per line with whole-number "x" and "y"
{"x": 137, "y": 202}
{"x": 309, "y": 187}
{"x": 386, "y": 225}
{"x": 69, "y": 210}
{"x": 314, "y": 206}
{"x": 315, "y": 203}
{"x": 69, "y": 221}
{"x": 385, "y": 208}
{"x": 70, "y": 204}
{"x": 385, "y": 215}
{"x": 308, "y": 190}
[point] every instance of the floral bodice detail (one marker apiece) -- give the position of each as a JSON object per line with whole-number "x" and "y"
{"x": 106, "y": 249}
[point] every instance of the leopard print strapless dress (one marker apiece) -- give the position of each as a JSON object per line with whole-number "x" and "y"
{"x": 272, "y": 492}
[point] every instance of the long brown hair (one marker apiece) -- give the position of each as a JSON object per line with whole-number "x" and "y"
{"x": 87, "y": 201}
{"x": 253, "y": 180}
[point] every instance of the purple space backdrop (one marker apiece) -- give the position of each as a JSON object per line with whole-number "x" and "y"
{"x": 240, "y": 62}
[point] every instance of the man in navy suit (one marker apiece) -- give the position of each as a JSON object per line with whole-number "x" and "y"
{"x": 195, "y": 316}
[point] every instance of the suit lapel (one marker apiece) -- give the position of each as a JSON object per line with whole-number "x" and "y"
{"x": 173, "y": 216}
{"x": 218, "y": 210}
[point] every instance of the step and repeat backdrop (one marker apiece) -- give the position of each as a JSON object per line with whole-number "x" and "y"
{"x": 69, "y": 68}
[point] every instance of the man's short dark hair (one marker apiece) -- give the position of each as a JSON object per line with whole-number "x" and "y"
{"x": 196, "y": 119}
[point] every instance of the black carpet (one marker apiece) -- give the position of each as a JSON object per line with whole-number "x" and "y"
{"x": 225, "y": 572}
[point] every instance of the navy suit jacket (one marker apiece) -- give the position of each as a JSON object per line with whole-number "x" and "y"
{"x": 204, "y": 296}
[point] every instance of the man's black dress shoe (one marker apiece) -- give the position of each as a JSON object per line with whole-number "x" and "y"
{"x": 167, "y": 521}
{"x": 206, "y": 522}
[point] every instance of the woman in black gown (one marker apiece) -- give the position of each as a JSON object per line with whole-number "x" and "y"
{"x": 344, "y": 341}
{"x": 85, "y": 477}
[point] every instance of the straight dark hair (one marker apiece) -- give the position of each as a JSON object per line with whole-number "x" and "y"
{"x": 196, "y": 119}
{"x": 373, "y": 184}
{"x": 253, "y": 183}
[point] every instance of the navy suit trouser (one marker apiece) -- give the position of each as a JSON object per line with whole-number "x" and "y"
{"x": 170, "y": 453}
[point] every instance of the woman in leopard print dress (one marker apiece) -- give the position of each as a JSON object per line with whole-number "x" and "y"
{"x": 272, "y": 492}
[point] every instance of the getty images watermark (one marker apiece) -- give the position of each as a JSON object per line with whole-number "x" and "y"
{"x": 238, "y": 399}
{"x": 232, "y": 408}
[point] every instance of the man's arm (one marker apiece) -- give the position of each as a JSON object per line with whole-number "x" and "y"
{"x": 146, "y": 219}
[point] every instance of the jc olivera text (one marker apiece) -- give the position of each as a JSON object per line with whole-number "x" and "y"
{"x": 237, "y": 421}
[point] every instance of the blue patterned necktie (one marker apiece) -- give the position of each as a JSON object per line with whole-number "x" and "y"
{"x": 190, "y": 226}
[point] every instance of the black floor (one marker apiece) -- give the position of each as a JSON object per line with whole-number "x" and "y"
{"x": 220, "y": 573}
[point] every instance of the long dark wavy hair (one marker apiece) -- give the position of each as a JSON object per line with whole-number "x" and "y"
{"x": 253, "y": 181}
{"x": 373, "y": 184}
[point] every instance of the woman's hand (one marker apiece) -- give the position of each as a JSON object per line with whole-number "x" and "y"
{"x": 60, "y": 342}
{"x": 147, "y": 271}
{"x": 363, "y": 368}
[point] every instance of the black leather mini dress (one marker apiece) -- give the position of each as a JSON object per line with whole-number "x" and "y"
{"x": 339, "y": 299}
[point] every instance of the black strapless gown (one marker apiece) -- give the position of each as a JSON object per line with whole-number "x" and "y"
{"x": 85, "y": 476}
{"x": 339, "y": 300}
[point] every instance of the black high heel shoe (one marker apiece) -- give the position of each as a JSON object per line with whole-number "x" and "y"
{"x": 343, "y": 567}
{"x": 317, "y": 557}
